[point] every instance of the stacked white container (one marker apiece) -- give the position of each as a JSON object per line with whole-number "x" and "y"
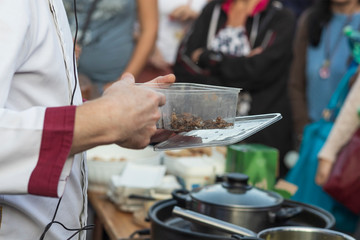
{"x": 195, "y": 171}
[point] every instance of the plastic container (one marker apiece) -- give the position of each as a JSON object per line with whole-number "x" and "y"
{"x": 192, "y": 106}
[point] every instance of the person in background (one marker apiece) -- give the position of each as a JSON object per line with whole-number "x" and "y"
{"x": 175, "y": 17}
{"x": 344, "y": 127}
{"x": 45, "y": 126}
{"x": 321, "y": 58}
{"x": 244, "y": 44}
{"x": 107, "y": 44}
{"x": 346, "y": 124}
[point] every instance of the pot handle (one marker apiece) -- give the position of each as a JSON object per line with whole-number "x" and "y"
{"x": 181, "y": 196}
{"x": 238, "y": 237}
{"x": 207, "y": 221}
{"x": 285, "y": 214}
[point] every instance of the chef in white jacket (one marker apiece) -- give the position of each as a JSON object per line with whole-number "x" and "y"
{"x": 44, "y": 126}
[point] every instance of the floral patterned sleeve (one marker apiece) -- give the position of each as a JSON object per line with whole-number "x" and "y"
{"x": 232, "y": 41}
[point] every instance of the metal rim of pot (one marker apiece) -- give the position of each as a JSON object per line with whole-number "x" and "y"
{"x": 316, "y": 213}
{"x": 322, "y": 234}
{"x": 161, "y": 212}
{"x": 282, "y": 233}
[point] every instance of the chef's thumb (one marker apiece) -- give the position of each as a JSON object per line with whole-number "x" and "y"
{"x": 128, "y": 77}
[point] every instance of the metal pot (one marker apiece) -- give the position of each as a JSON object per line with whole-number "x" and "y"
{"x": 165, "y": 225}
{"x": 279, "y": 233}
{"x": 300, "y": 233}
{"x": 235, "y": 201}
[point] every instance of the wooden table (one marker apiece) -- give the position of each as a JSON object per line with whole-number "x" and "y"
{"x": 118, "y": 225}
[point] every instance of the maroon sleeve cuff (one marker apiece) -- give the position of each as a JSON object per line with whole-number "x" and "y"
{"x": 55, "y": 146}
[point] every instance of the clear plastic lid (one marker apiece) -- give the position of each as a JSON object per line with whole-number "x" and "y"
{"x": 189, "y": 87}
{"x": 243, "y": 128}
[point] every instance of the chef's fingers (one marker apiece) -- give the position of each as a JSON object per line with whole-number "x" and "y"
{"x": 128, "y": 77}
{"x": 167, "y": 79}
{"x": 162, "y": 100}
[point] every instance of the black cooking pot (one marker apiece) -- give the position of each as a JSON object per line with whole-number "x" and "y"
{"x": 235, "y": 201}
{"x": 166, "y": 226}
{"x": 223, "y": 199}
{"x": 277, "y": 233}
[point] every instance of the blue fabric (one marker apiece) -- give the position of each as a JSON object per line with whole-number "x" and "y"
{"x": 109, "y": 41}
{"x": 304, "y": 171}
{"x": 319, "y": 90}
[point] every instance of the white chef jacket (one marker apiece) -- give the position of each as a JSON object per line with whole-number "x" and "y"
{"x": 36, "y": 123}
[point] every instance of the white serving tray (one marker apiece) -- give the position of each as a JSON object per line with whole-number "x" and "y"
{"x": 243, "y": 127}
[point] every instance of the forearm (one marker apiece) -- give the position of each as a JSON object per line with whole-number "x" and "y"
{"x": 37, "y": 141}
{"x": 345, "y": 125}
{"x": 148, "y": 20}
{"x": 142, "y": 51}
{"x": 90, "y": 126}
{"x": 126, "y": 115}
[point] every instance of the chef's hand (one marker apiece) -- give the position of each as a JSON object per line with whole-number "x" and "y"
{"x": 142, "y": 112}
{"x": 169, "y": 78}
{"x": 162, "y": 134}
{"x": 126, "y": 114}
{"x": 323, "y": 171}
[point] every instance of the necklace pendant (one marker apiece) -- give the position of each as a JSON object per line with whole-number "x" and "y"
{"x": 324, "y": 71}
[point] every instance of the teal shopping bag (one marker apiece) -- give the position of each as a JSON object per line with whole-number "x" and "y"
{"x": 304, "y": 171}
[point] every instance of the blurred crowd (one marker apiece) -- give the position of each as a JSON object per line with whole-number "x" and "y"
{"x": 287, "y": 56}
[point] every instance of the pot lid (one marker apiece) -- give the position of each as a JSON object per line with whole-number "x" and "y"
{"x": 236, "y": 192}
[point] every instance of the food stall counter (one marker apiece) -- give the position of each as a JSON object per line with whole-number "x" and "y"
{"x": 118, "y": 225}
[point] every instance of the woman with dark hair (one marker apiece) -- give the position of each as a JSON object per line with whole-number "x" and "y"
{"x": 245, "y": 44}
{"x": 322, "y": 58}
